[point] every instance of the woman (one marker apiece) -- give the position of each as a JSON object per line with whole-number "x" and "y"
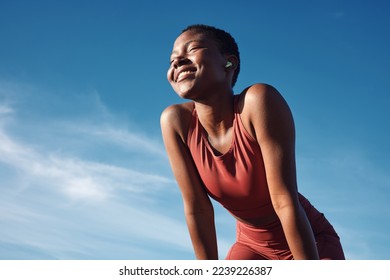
{"x": 240, "y": 151}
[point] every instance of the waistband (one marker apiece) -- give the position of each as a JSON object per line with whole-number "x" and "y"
{"x": 268, "y": 234}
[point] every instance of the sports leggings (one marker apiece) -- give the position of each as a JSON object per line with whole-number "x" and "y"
{"x": 269, "y": 242}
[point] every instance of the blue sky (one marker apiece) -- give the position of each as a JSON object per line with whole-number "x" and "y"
{"x": 83, "y": 170}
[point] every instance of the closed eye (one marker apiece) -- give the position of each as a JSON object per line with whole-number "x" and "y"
{"x": 194, "y": 48}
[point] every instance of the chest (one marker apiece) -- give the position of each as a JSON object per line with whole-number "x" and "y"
{"x": 236, "y": 177}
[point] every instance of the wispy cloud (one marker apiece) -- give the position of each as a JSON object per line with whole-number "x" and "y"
{"x": 76, "y": 177}
{"x": 59, "y": 203}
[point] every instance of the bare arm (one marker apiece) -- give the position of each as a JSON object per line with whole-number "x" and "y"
{"x": 273, "y": 126}
{"x": 198, "y": 209}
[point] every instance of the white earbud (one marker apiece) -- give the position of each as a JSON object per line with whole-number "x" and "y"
{"x": 228, "y": 64}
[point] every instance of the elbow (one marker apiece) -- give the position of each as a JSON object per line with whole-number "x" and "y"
{"x": 285, "y": 206}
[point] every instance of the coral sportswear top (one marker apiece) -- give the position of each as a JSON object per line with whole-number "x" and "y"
{"x": 235, "y": 179}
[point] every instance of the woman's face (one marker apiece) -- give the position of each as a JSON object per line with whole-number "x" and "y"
{"x": 196, "y": 65}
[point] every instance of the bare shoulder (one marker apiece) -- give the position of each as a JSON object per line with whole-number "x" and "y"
{"x": 262, "y": 96}
{"x": 263, "y": 108}
{"x": 176, "y": 118}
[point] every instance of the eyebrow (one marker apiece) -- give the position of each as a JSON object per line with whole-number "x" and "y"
{"x": 186, "y": 44}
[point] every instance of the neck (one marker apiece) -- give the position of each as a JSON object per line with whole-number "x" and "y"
{"x": 216, "y": 114}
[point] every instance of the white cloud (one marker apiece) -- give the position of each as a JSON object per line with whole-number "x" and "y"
{"x": 127, "y": 139}
{"x": 55, "y": 203}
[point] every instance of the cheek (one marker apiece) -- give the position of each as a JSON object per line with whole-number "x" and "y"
{"x": 169, "y": 74}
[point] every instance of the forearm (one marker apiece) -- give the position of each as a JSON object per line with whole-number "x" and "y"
{"x": 203, "y": 235}
{"x": 298, "y": 233}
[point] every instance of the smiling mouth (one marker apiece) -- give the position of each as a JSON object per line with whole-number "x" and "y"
{"x": 183, "y": 75}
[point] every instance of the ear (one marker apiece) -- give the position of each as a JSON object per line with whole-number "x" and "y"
{"x": 232, "y": 62}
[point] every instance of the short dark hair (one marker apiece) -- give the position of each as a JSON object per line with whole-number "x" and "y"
{"x": 225, "y": 42}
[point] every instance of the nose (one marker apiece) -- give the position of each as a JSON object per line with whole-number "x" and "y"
{"x": 180, "y": 61}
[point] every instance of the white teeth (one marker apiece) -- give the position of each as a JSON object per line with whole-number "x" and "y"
{"x": 183, "y": 73}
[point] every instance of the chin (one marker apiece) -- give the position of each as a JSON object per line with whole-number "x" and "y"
{"x": 185, "y": 91}
{"x": 185, "y": 95}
